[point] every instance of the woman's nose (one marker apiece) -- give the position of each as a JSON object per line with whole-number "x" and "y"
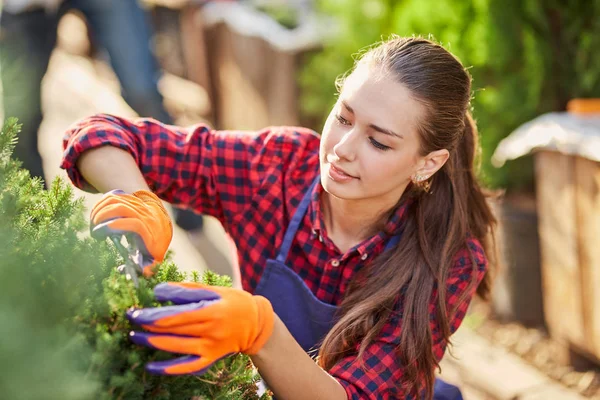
{"x": 345, "y": 148}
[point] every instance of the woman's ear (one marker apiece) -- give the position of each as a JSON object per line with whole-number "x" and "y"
{"x": 432, "y": 162}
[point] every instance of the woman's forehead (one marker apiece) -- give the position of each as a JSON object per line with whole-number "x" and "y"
{"x": 379, "y": 98}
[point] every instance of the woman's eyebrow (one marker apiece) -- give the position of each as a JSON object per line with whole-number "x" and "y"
{"x": 347, "y": 106}
{"x": 373, "y": 126}
{"x": 386, "y": 131}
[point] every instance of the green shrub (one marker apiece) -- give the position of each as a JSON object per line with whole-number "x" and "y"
{"x": 62, "y": 306}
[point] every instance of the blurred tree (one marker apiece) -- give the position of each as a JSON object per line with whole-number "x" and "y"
{"x": 527, "y": 57}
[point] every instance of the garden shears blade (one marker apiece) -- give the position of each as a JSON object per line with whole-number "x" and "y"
{"x": 130, "y": 254}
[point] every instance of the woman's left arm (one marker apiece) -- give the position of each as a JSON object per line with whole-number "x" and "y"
{"x": 290, "y": 373}
{"x": 208, "y": 323}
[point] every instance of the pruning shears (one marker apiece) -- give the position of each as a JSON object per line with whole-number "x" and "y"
{"x": 131, "y": 255}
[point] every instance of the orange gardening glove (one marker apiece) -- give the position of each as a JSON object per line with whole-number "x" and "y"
{"x": 141, "y": 216}
{"x": 207, "y": 324}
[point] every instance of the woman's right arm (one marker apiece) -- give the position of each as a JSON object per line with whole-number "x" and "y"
{"x": 107, "y": 168}
{"x": 105, "y": 152}
{"x": 213, "y": 172}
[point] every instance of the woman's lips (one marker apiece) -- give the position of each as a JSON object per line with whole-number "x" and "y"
{"x": 339, "y": 175}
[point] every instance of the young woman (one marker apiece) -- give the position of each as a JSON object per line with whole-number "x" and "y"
{"x": 366, "y": 243}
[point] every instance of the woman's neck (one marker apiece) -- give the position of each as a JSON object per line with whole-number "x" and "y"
{"x": 350, "y": 222}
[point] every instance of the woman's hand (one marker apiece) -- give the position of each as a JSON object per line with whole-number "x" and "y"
{"x": 207, "y": 324}
{"x": 142, "y": 216}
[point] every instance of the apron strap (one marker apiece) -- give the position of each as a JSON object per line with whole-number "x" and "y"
{"x": 393, "y": 242}
{"x": 295, "y": 223}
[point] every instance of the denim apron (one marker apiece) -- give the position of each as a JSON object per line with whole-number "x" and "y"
{"x": 306, "y": 317}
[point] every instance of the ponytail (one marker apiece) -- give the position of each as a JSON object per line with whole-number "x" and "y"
{"x": 482, "y": 222}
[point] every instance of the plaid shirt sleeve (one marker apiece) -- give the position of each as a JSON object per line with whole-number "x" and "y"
{"x": 213, "y": 172}
{"x": 381, "y": 378}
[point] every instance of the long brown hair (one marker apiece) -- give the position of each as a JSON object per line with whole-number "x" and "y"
{"x": 455, "y": 209}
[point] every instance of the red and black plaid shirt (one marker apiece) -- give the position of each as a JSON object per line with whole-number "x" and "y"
{"x": 253, "y": 183}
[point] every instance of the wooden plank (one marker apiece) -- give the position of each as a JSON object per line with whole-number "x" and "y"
{"x": 283, "y": 93}
{"x": 561, "y": 277}
{"x": 239, "y": 80}
{"x": 254, "y": 84}
{"x": 194, "y": 50}
{"x": 587, "y": 183}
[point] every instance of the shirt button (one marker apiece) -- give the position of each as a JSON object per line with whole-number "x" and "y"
{"x": 335, "y": 263}
{"x": 364, "y": 256}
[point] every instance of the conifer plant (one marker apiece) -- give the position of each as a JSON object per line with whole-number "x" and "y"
{"x": 63, "y": 330}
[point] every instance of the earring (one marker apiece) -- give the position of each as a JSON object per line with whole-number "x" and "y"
{"x": 426, "y": 185}
{"x": 422, "y": 182}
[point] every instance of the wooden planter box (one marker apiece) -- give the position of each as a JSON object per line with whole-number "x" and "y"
{"x": 568, "y": 200}
{"x": 244, "y": 61}
{"x": 252, "y": 67}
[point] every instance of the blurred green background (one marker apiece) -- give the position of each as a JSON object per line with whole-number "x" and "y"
{"x": 526, "y": 57}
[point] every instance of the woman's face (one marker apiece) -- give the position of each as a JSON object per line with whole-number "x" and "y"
{"x": 370, "y": 145}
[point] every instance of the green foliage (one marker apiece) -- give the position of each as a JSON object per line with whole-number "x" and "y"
{"x": 62, "y": 306}
{"x": 526, "y": 57}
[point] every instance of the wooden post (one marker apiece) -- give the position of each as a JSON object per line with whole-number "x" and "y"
{"x": 194, "y": 48}
{"x": 283, "y": 104}
{"x": 587, "y": 184}
{"x": 557, "y": 222}
{"x": 254, "y": 83}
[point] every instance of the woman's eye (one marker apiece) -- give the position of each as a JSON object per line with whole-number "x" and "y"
{"x": 342, "y": 120}
{"x": 378, "y": 145}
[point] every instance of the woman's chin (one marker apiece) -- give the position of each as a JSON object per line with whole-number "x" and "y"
{"x": 340, "y": 190}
